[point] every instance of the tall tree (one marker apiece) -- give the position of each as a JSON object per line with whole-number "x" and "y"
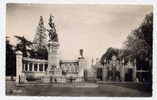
{"x": 40, "y": 40}
{"x": 139, "y": 41}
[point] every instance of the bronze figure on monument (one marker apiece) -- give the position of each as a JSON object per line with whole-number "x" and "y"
{"x": 52, "y": 31}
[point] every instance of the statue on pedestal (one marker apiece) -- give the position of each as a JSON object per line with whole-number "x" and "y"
{"x": 53, "y": 55}
{"x": 52, "y": 31}
{"x": 81, "y": 54}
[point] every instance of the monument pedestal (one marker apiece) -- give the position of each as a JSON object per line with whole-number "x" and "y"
{"x": 53, "y": 61}
{"x": 53, "y": 55}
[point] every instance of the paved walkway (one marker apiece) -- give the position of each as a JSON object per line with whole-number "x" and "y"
{"x": 49, "y": 90}
{"x": 59, "y": 85}
{"x": 113, "y": 90}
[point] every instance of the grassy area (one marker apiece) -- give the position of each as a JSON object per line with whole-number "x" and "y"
{"x": 49, "y": 90}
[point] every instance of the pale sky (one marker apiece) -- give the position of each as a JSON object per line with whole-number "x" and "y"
{"x": 93, "y": 28}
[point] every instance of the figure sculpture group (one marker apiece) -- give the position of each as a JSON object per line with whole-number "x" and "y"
{"x": 52, "y": 31}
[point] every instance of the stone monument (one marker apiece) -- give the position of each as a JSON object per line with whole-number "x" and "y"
{"x": 53, "y": 56}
